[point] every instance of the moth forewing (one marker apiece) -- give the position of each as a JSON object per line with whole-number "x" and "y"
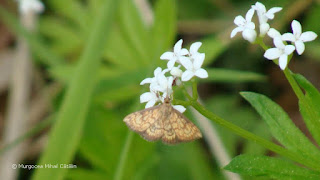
{"x": 162, "y": 122}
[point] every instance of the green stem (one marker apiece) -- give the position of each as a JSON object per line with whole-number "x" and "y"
{"x": 294, "y": 85}
{"x": 181, "y": 102}
{"x": 123, "y": 157}
{"x": 250, "y": 136}
{"x": 194, "y": 90}
{"x": 185, "y": 92}
{"x": 297, "y": 90}
{"x": 259, "y": 41}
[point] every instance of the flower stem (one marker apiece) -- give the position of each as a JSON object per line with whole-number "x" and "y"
{"x": 181, "y": 102}
{"x": 297, "y": 90}
{"x": 250, "y": 136}
{"x": 259, "y": 41}
{"x": 194, "y": 90}
{"x": 185, "y": 92}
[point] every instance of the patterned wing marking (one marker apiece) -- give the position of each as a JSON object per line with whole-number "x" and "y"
{"x": 184, "y": 129}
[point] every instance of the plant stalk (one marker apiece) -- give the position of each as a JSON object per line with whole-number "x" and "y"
{"x": 250, "y": 136}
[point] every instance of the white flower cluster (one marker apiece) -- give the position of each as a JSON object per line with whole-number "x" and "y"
{"x": 161, "y": 85}
{"x": 281, "y": 50}
{"x": 26, "y": 6}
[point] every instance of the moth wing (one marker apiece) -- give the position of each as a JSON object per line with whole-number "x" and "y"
{"x": 184, "y": 129}
{"x": 147, "y": 122}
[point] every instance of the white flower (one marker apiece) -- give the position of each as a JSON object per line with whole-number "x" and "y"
{"x": 179, "y": 108}
{"x": 160, "y": 84}
{"x": 281, "y": 51}
{"x": 299, "y": 38}
{"x": 245, "y": 26}
{"x": 264, "y": 16}
{"x": 273, "y": 33}
{"x": 176, "y": 71}
{"x": 149, "y": 97}
{"x": 193, "y": 68}
{"x": 26, "y": 6}
{"x": 194, "y": 49}
{"x": 156, "y": 73}
{"x": 176, "y": 55}
{"x": 165, "y": 86}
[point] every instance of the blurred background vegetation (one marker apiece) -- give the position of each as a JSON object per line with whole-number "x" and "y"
{"x": 139, "y": 33}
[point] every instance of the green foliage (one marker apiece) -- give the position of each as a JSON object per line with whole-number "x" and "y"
{"x": 99, "y": 95}
{"x": 242, "y": 116}
{"x": 312, "y": 95}
{"x": 76, "y": 102}
{"x": 257, "y": 165}
{"x": 281, "y": 126}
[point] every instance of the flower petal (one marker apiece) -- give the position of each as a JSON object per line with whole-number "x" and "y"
{"x": 201, "y": 73}
{"x": 289, "y": 49}
{"x": 272, "y": 11}
{"x": 296, "y": 28}
{"x": 198, "y": 61}
{"x": 283, "y": 60}
{"x": 187, "y": 75}
{"x": 176, "y": 71}
{"x": 308, "y": 36}
{"x": 288, "y": 37}
{"x": 179, "y": 108}
{"x": 299, "y": 47}
{"x": 186, "y": 62}
{"x": 249, "y": 35}
{"x": 250, "y": 25}
{"x": 169, "y": 84}
{"x": 195, "y": 47}
{"x": 278, "y": 42}
{"x": 236, "y": 30}
{"x": 273, "y": 33}
{"x": 239, "y": 21}
{"x": 167, "y": 55}
{"x": 147, "y": 96}
{"x": 272, "y": 53}
{"x": 184, "y": 52}
{"x": 260, "y": 7}
{"x": 177, "y": 47}
{"x": 249, "y": 15}
{"x": 145, "y": 81}
{"x": 170, "y": 64}
{"x": 264, "y": 28}
{"x": 157, "y": 71}
{"x": 151, "y": 103}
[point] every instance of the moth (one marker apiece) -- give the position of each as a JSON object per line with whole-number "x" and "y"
{"x": 164, "y": 123}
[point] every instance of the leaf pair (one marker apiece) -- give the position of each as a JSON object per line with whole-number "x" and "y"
{"x": 284, "y": 130}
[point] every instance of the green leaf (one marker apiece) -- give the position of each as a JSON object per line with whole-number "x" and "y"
{"x": 196, "y": 166}
{"x": 66, "y": 38}
{"x": 232, "y": 76}
{"x": 120, "y": 53}
{"x": 281, "y": 126}
{"x": 103, "y": 130}
{"x": 65, "y": 135}
{"x": 73, "y": 10}
{"x": 134, "y": 30}
{"x": 164, "y": 28}
{"x": 312, "y": 96}
{"x": 258, "y": 165}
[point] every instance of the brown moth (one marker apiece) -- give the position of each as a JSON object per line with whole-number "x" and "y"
{"x": 163, "y": 122}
